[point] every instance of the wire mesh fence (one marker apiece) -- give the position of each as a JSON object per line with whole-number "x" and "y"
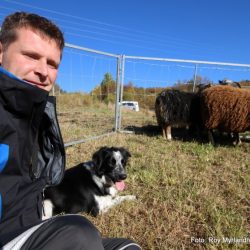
{"x": 93, "y": 86}
{"x": 144, "y": 78}
{"x": 84, "y": 109}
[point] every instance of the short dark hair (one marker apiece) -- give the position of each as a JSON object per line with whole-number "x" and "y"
{"x": 35, "y": 22}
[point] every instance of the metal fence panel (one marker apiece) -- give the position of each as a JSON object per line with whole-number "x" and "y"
{"x": 149, "y": 76}
{"x": 83, "y": 111}
{"x": 86, "y": 112}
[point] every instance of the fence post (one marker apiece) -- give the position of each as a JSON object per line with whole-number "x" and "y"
{"x": 195, "y": 76}
{"x": 121, "y": 88}
{"x": 118, "y": 87}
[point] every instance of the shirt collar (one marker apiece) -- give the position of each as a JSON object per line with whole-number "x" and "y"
{"x": 9, "y": 74}
{"x": 6, "y": 72}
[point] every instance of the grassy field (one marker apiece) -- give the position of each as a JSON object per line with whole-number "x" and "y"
{"x": 189, "y": 194}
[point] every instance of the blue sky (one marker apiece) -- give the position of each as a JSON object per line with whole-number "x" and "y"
{"x": 209, "y": 30}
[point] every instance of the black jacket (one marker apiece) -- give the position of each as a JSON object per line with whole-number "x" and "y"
{"x": 31, "y": 153}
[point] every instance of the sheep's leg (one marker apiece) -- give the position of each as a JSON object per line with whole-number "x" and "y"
{"x": 164, "y": 132}
{"x": 237, "y": 140}
{"x": 168, "y": 132}
{"x": 211, "y": 137}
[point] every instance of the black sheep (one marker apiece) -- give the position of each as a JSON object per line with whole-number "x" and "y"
{"x": 176, "y": 108}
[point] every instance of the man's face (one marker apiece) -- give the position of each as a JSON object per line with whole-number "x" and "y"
{"x": 32, "y": 58}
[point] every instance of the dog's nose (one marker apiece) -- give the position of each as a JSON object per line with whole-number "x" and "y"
{"x": 122, "y": 176}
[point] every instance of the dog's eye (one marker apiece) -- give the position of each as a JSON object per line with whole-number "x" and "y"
{"x": 113, "y": 161}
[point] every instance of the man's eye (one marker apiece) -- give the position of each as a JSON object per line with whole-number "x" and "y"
{"x": 32, "y": 56}
{"x": 52, "y": 65}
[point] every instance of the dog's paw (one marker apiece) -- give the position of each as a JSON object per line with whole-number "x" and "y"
{"x": 130, "y": 197}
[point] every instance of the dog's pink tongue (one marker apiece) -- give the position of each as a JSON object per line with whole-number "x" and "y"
{"x": 120, "y": 185}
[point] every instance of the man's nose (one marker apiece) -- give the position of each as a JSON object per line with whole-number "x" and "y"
{"x": 42, "y": 68}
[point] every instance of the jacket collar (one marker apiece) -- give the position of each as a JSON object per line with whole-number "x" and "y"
{"x": 18, "y": 96}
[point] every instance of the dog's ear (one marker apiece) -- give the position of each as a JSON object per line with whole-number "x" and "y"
{"x": 98, "y": 157}
{"x": 125, "y": 152}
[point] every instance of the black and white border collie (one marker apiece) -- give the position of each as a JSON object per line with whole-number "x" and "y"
{"x": 90, "y": 187}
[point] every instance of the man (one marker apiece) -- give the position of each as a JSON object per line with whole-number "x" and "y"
{"x": 31, "y": 148}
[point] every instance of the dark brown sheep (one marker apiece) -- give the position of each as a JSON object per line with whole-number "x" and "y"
{"x": 227, "y": 109}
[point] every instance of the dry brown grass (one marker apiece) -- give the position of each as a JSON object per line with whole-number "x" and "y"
{"x": 184, "y": 189}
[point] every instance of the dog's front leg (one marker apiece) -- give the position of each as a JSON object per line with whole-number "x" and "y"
{"x": 115, "y": 201}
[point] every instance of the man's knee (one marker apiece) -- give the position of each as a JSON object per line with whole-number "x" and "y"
{"x": 65, "y": 232}
{"x": 80, "y": 228}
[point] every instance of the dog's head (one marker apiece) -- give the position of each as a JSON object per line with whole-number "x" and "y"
{"x": 110, "y": 162}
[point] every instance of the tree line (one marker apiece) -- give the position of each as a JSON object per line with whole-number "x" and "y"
{"x": 106, "y": 90}
{"x": 145, "y": 96}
